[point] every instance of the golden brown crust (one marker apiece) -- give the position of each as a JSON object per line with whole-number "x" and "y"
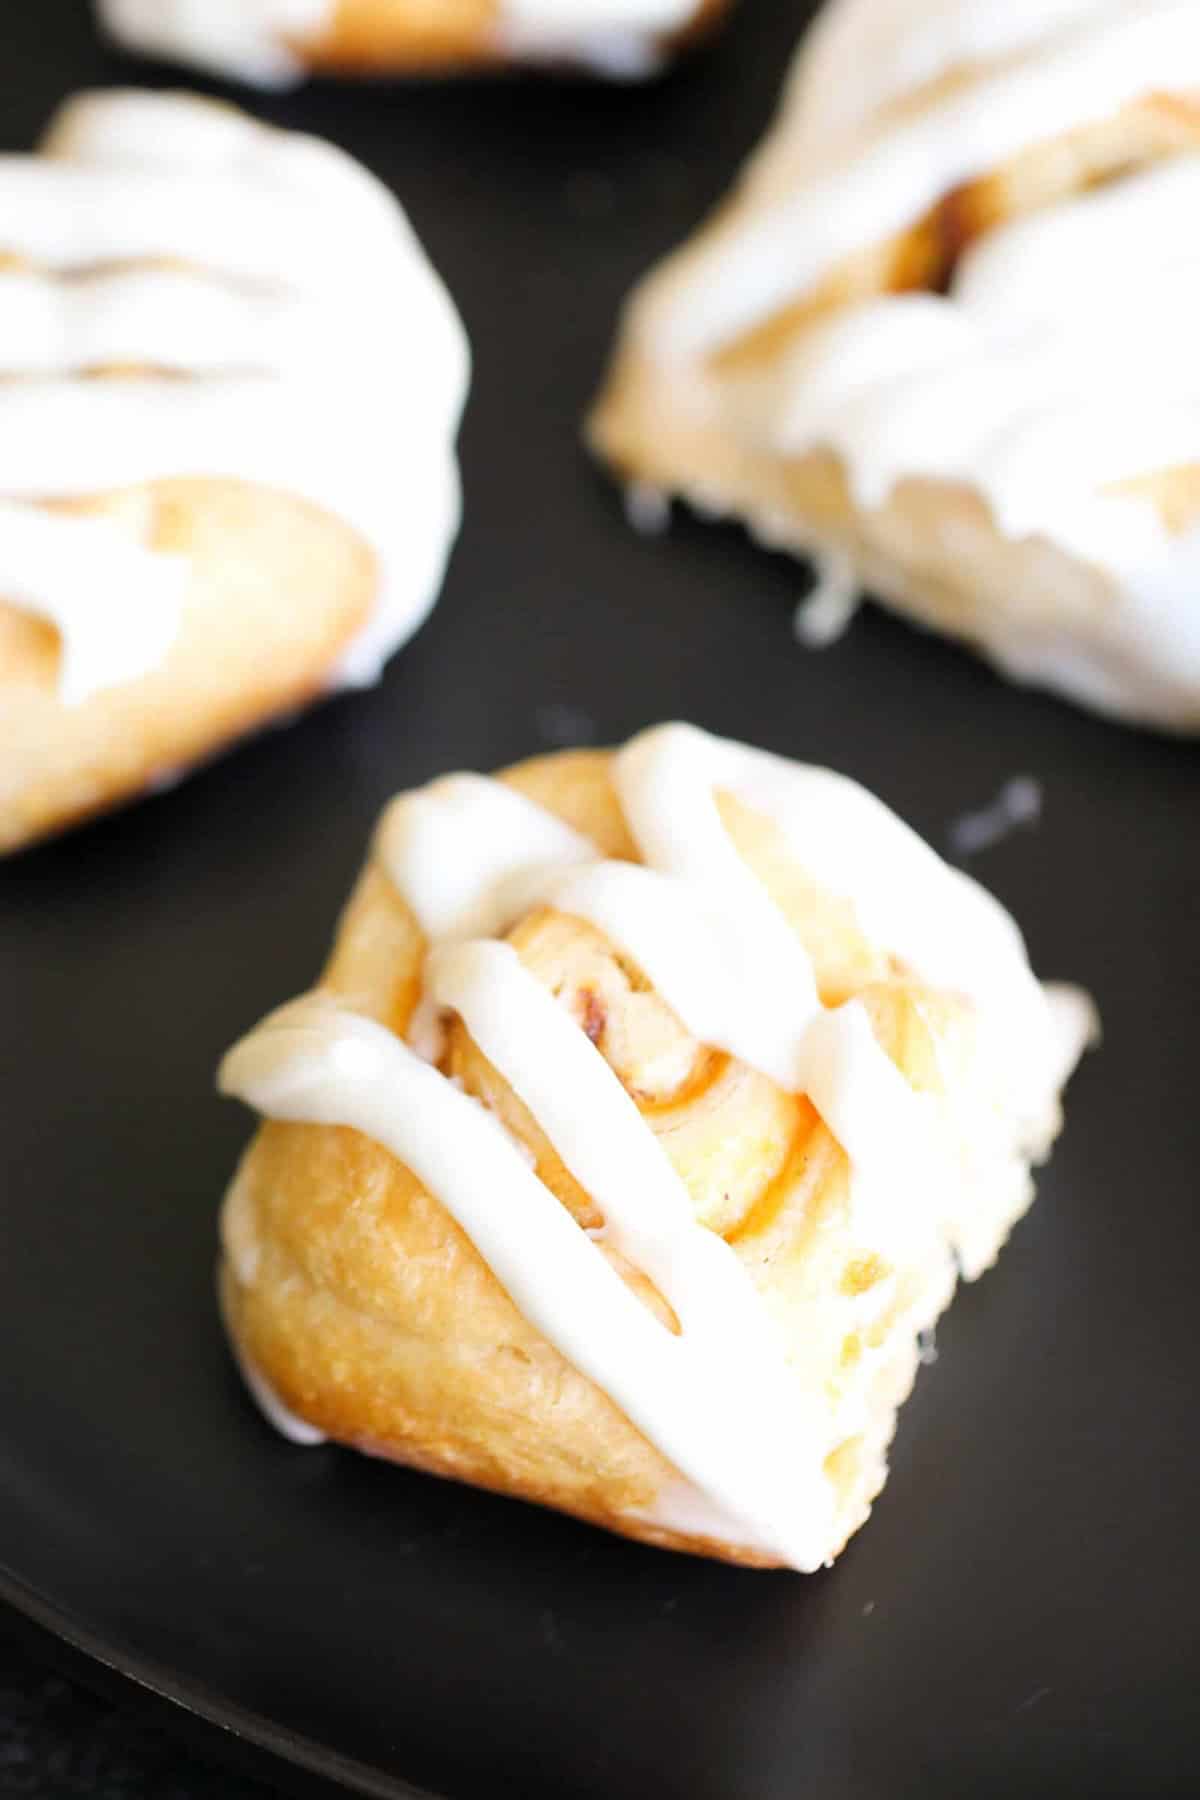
{"x": 372, "y": 1316}
{"x": 381, "y": 36}
{"x": 436, "y": 37}
{"x": 932, "y": 547}
{"x": 277, "y": 589}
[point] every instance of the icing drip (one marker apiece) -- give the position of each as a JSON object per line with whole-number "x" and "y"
{"x": 300, "y": 308}
{"x": 825, "y": 614}
{"x": 285, "y": 1421}
{"x": 617, "y": 38}
{"x": 54, "y": 566}
{"x": 470, "y": 856}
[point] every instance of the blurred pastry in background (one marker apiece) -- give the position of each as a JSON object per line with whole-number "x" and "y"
{"x": 646, "y": 1110}
{"x": 941, "y": 337}
{"x": 274, "y": 43}
{"x": 228, "y": 485}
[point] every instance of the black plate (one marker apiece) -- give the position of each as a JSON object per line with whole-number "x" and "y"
{"x": 1020, "y": 1615}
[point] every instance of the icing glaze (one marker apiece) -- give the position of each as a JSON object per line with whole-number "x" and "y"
{"x": 863, "y": 55}
{"x": 297, "y": 304}
{"x": 314, "y": 1061}
{"x": 53, "y": 566}
{"x": 1008, "y": 384}
{"x": 456, "y": 849}
{"x": 803, "y": 213}
{"x": 618, "y": 38}
{"x": 470, "y": 856}
{"x": 261, "y": 41}
{"x": 249, "y": 40}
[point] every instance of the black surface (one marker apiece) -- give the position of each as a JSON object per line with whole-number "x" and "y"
{"x": 1020, "y": 1615}
{"x": 60, "y": 1740}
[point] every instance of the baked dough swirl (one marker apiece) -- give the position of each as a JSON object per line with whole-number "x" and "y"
{"x": 940, "y": 336}
{"x": 641, "y": 1118}
{"x": 229, "y": 389}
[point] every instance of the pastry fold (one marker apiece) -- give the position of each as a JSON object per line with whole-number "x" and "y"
{"x": 938, "y": 337}
{"x": 229, "y": 387}
{"x": 512, "y": 1220}
{"x": 276, "y": 42}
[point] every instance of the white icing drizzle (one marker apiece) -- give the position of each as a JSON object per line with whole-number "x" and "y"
{"x": 862, "y": 55}
{"x": 617, "y": 38}
{"x": 299, "y": 308}
{"x": 158, "y": 317}
{"x": 701, "y": 953}
{"x": 53, "y": 566}
{"x": 316, "y": 1062}
{"x": 1059, "y": 366}
{"x": 457, "y": 848}
{"x": 469, "y": 856}
{"x": 803, "y": 214}
{"x": 1011, "y": 386}
{"x": 261, "y": 41}
{"x": 1010, "y": 383}
{"x": 937, "y": 921}
{"x": 246, "y": 39}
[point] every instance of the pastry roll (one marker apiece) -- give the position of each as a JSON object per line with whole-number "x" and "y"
{"x": 637, "y": 1128}
{"x": 940, "y": 337}
{"x": 228, "y": 481}
{"x": 274, "y": 43}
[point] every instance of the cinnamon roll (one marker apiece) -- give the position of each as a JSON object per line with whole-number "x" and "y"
{"x": 637, "y": 1128}
{"x": 939, "y": 337}
{"x": 230, "y": 389}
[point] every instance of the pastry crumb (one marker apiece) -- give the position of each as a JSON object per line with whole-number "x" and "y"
{"x": 647, "y": 508}
{"x": 824, "y": 615}
{"x": 1018, "y": 803}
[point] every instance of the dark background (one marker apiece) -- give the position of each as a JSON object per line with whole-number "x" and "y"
{"x": 1020, "y": 1615}
{"x": 59, "y": 1737}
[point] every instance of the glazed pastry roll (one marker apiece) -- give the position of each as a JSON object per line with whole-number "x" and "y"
{"x": 230, "y": 389}
{"x": 940, "y": 337}
{"x": 645, "y": 1111}
{"x": 276, "y": 42}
